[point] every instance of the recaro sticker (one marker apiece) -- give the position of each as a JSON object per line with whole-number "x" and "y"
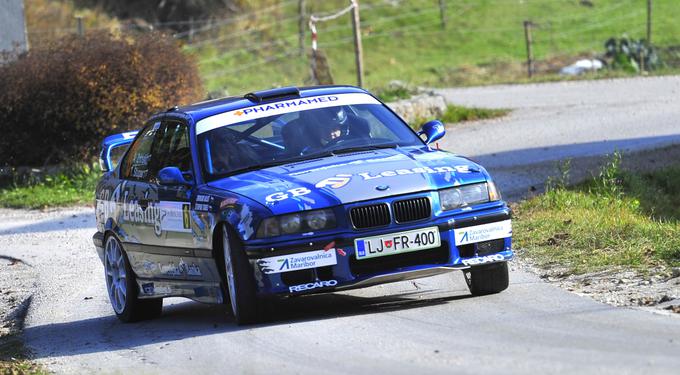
{"x": 279, "y": 108}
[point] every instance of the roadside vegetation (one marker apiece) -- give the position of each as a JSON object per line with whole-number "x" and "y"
{"x": 617, "y": 218}
{"x": 456, "y": 113}
{"x": 73, "y": 186}
{"x": 13, "y": 358}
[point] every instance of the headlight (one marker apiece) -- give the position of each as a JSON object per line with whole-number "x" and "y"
{"x": 465, "y": 195}
{"x": 296, "y": 223}
{"x": 317, "y": 220}
{"x": 290, "y": 224}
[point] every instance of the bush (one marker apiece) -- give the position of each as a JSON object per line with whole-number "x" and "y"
{"x": 60, "y": 100}
{"x": 632, "y": 55}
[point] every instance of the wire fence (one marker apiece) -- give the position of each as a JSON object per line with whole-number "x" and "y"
{"x": 265, "y": 43}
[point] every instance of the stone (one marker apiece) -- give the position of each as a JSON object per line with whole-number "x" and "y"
{"x": 423, "y": 107}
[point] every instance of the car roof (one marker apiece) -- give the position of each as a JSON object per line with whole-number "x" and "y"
{"x": 201, "y": 110}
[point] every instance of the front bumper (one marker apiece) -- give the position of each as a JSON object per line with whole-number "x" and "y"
{"x": 349, "y": 272}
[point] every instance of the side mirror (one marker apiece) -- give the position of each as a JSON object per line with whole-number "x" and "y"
{"x": 433, "y": 130}
{"x": 172, "y": 176}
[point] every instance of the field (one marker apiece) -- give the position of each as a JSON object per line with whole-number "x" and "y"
{"x": 483, "y": 41}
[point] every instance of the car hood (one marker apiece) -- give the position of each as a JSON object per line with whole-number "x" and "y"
{"x": 354, "y": 177}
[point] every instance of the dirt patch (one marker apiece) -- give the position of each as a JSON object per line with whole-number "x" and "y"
{"x": 656, "y": 289}
{"x": 16, "y": 291}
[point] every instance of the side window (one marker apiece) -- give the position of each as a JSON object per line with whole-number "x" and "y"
{"x": 173, "y": 148}
{"x": 136, "y": 165}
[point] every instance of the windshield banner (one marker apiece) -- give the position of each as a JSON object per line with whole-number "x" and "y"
{"x": 279, "y": 108}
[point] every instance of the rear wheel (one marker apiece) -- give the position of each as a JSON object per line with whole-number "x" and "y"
{"x": 122, "y": 288}
{"x": 488, "y": 279}
{"x": 239, "y": 279}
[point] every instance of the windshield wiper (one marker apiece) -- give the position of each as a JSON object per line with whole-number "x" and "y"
{"x": 364, "y": 148}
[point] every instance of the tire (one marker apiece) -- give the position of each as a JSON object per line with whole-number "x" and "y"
{"x": 489, "y": 279}
{"x": 122, "y": 288}
{"x": 239, "y": 279}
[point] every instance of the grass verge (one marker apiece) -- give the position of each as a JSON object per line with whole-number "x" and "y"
{"x": 455, "y": 113}
{"x": 13, "y": 359}
{"x": 617, "y": 218}
{"x": 73, "y": 186}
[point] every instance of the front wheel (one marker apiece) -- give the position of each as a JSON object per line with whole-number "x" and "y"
{"x": 121, "y": 285}
{"x": 488, "y": 279}
{"x": 239, "y": 278}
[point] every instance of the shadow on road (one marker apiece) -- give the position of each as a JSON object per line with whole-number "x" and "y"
{"x": 192, "y": 319}
{"x": 65, "y": 221}
{"x": 529, "y": 156}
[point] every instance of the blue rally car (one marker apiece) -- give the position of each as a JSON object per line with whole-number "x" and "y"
{"x": 287, "y": 192}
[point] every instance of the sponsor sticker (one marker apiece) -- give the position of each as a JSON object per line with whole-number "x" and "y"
{"x": 299, "y": 261}
{"x": 279, "y": 108}
{"x": 174, "y": 216}
{"x": 314, "y": 285}
{"x": 483, "y": 260}
{"x": 341, "y": 180}
{"x": 484, "y": 232}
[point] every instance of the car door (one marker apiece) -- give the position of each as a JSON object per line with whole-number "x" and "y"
{"x": 173, "y": 150}
{"x": 136, "y": 219}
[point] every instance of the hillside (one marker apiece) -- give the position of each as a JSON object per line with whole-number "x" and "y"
{"x": 483, "y": 41}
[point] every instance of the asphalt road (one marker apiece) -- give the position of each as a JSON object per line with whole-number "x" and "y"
{"x": 564, "y": 120}
{"x": 430, "y": 326}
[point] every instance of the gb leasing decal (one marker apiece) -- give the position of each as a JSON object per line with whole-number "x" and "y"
{"x": 341, "y": 180}
{"x": 279, "y": 108}
{"x": 163, "y": 215}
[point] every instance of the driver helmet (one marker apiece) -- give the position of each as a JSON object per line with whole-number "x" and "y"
{"x": 332, "y": 123}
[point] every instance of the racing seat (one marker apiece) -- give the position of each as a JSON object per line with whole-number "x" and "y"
{"x": 358, "y": 128}
{"x": 296, "y": 137}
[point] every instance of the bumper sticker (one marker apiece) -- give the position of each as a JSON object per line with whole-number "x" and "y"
{"x": 299, "y": 261}
{"x": 484, "y": 232}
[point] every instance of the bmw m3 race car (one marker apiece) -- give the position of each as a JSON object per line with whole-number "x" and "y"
{"x": 288, "y": 192}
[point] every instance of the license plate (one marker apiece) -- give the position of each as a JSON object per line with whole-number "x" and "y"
{"x": 397, "y": 243}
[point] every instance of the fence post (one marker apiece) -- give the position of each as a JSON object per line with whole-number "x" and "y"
{"x": 530, "y": 53}
{"x": 80, "y": 28}
{"x": 442, "y": 13}
{"x": 191, "y": 30}
{"x": 358, "y": 50}
{"x": 649, "y": 21}
{"x": 301, "y": 27}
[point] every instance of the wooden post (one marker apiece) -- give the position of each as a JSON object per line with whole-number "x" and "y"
{"x": 80, "y": 28}
{"x": 301, "y": 27}
{"x": 649, "y": 22}
{"x": 191, "y": 30}
{"x": 358, "y": 50}
{"x": 442, "y": 13}
{"x": 530, "y": 53}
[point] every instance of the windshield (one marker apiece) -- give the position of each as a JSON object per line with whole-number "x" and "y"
{"x": 297, "y": 132}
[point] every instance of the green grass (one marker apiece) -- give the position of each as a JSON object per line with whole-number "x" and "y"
{"x": 483, "y": 42}
{"x": 14, "y": 359}
{"x": 618, "y": 218}
{"x": 75, "y": 186}
{"x": 455, "y": 113}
